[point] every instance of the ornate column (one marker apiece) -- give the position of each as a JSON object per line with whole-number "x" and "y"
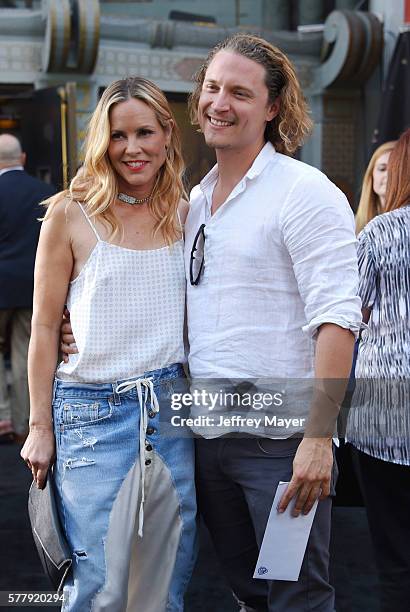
{"x": 57, "y": 36}
{"x": 72, "y": 35}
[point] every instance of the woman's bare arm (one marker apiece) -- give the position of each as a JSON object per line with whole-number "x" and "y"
{"x": 54, "y": 263}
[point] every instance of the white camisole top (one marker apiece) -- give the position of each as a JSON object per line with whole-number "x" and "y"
{"x": 127, "y": 312}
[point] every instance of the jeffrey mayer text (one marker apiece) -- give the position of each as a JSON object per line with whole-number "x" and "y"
{"x": 235, "y": 420}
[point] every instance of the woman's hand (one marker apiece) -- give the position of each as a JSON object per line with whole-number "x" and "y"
{"x": 38, "y": 452}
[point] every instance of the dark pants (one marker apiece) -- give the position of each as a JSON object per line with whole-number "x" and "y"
{"x": 236, "y": 483}
{"x": 386, "y": 493}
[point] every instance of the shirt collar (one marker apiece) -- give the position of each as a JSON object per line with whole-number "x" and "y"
{"x": 10, "y": 169}
{"x": 259, "y": 164}
{"x": 261, "y": 160}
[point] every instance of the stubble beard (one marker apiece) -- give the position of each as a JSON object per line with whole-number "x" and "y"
{"x": 212, "y": 142}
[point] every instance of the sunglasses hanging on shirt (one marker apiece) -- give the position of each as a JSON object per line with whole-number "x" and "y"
{"x": 196, "y": 262}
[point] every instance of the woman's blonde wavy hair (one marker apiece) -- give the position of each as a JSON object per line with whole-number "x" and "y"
{"x": 369, "y": 204}
{"x": 292, "y": 124}
{"x": 95, "y": 184}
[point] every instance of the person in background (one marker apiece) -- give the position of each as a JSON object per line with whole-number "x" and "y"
{"x": 20, "y": 195}
{"x": 372, "y": 203}
{"x": 379, "y": 420}
{"x": 373, "y": 195}
{"x": 111, "y": 248}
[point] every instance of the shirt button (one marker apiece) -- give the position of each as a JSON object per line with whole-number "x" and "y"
{"x": 151, "y": 414}
{"x": 150, "y": 431}
{"x": 148, "y": 447}
{"x": 148, "y": 462}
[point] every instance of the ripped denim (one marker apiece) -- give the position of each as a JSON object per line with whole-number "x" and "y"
{"x": 98, "y": 480}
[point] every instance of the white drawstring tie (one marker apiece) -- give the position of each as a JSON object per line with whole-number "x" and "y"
{"x": 138, "y": 384}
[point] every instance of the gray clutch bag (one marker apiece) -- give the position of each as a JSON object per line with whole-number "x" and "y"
{"x": 48, "y": 535}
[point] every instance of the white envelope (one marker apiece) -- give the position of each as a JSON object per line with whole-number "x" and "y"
{"x": 284, "y": 542}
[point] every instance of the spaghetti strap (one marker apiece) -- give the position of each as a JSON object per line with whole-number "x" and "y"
{"x": 181, "y": 227}
{"x": 89, "y": 221}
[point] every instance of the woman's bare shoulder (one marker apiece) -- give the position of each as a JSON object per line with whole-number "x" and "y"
{"x": 64, "y": 215}
{"x": 58, "y": 206}
{"x": 55, "y": 229}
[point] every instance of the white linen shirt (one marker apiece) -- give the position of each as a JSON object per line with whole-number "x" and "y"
{"x": 280, "y": 260}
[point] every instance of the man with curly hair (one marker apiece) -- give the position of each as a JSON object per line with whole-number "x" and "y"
{"x": 272, "y": 292}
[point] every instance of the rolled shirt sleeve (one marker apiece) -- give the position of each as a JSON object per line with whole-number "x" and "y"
{"x": 318, "y": 231}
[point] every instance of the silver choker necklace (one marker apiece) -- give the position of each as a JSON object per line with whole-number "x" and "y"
{"x": 127, "y": 199}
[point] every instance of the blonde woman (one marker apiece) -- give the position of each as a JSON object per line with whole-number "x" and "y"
{"x": 373, "y": 197}
{"x": 111, "y": 249}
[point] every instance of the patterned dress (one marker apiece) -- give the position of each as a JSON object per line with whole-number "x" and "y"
{"x": 379, "y": 421}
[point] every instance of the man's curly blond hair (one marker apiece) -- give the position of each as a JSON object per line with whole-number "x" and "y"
{"x": 292, "y": 124}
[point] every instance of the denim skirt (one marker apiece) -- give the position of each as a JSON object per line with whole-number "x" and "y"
{"x": 125, "y": 494}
